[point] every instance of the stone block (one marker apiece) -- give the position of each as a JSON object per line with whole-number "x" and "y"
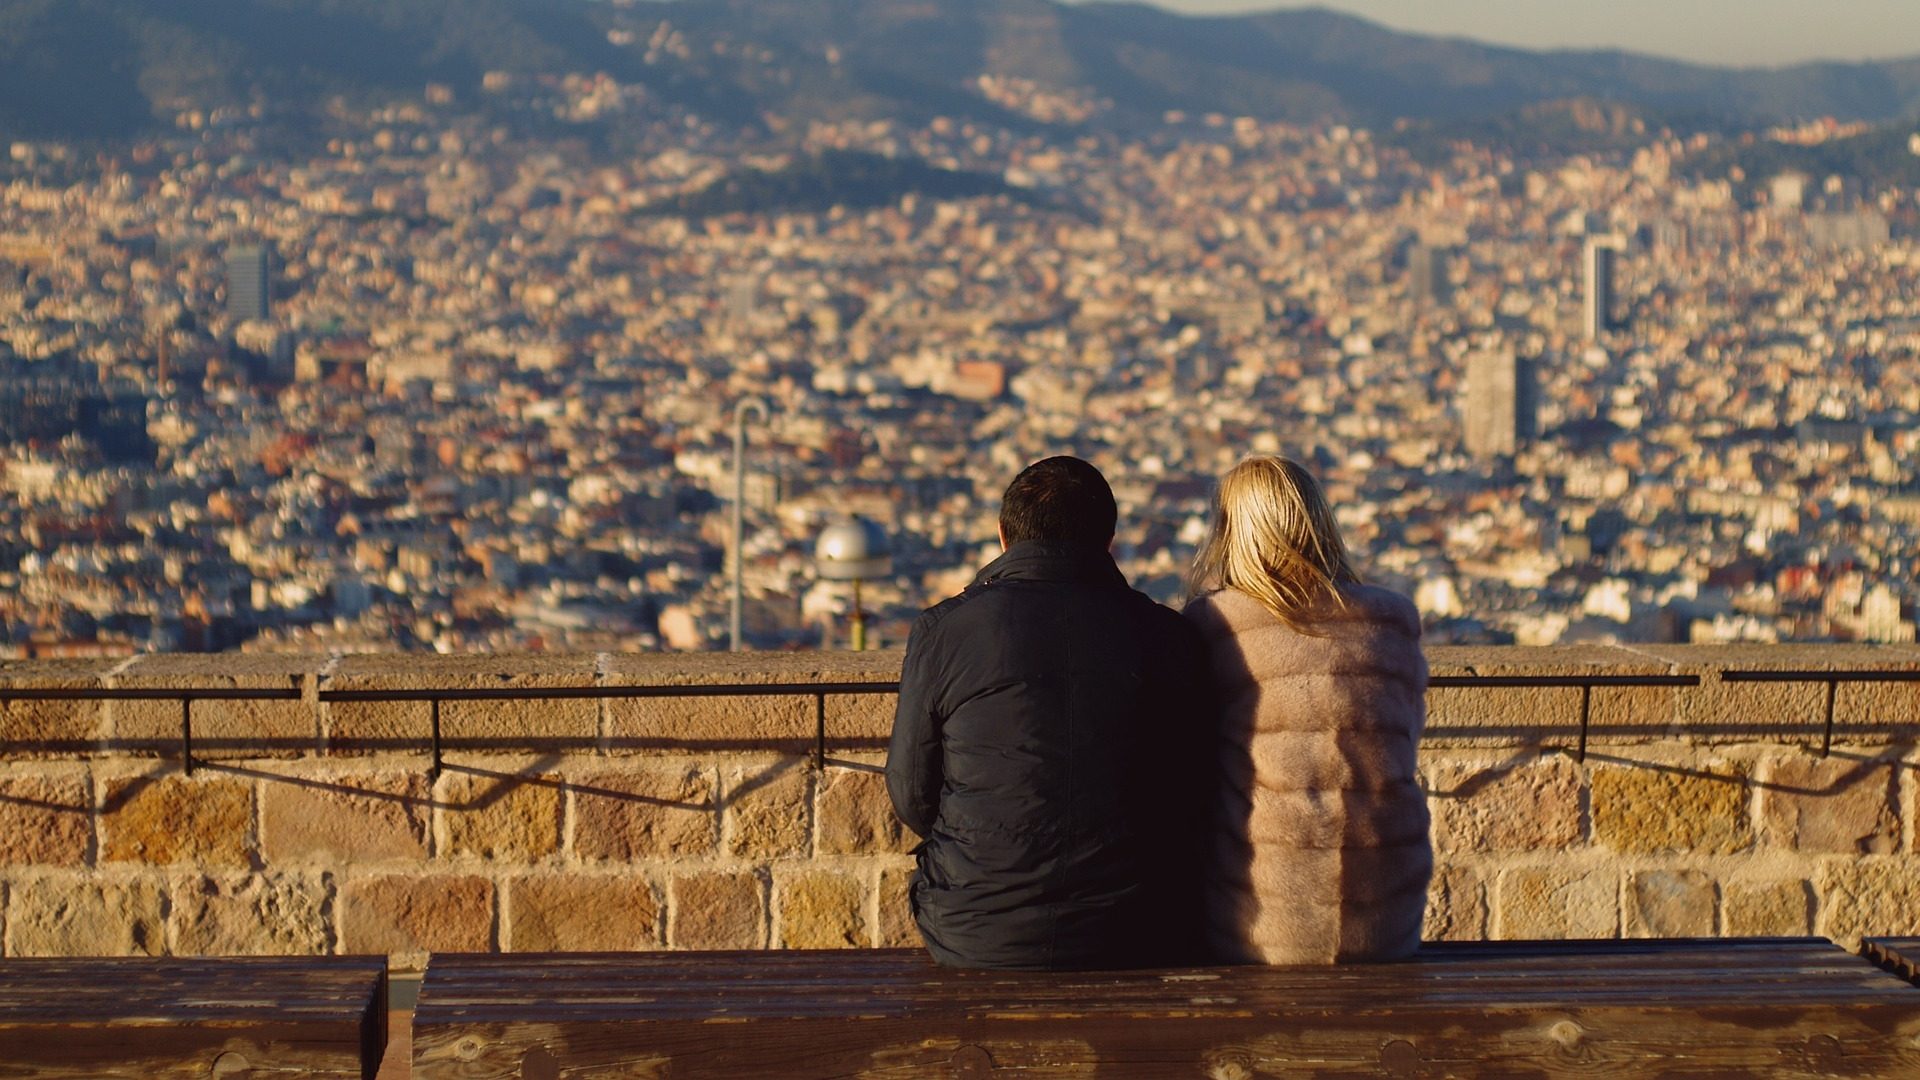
{"x": 45, "y": 820}
{"x": 58, "y": 729}
{"x": 1875, "y": 714}
{"x": 170, "y": 819}
{"x": 1456, "y": 905}
{"x": 860, "y": 719}
{"x": 222, "y": 730}
{"x": 692, "y": 724}
{"x": 252, "y": 915}
{"x": 499, "y": 815}
{"x": 1910, "y": 805}
{"x": 743, "y": 668}
{"x": 766, "y": 810}
{"x": 1650, "y": 808}
{"x": 510, "y": 724}
{"x": 576, "y": 913}
{"x": 775, "y": 721}
{"x": 367, "y": 727}
{"x": 822, "y": 909}
{"x": 856, "y": 815}
{"x": 1870, "y": 896}
{"x": 1543, "y": 716}
{"x": 409, "y": 915}
{"x": 71, "y": 915}
{"x": 1533, "y": 717}
{"x": 1721, "y": 711}
{"x": 645, "y": 811}
{"x": 1766, "y": 908}
{"x": 1841, "y": 805}
{"x": 1534, "y": 806}
{"x": 1669, "y": 903}
{"x": 1558, "y": 902}
{"x": 897, "y": 929}
{"x": 344, "y": 818}
{"x": 718, "y": 910}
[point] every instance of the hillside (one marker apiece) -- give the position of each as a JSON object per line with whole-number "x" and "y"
{"x": 819, "y": 182}
{"x": 111, "y": 67}
{"x": 79, "y": 68}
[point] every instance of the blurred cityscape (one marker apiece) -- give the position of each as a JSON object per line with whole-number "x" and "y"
{"x": 442, "y": 385}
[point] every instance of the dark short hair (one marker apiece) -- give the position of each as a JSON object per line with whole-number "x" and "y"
{"x": 1060, "y": 500}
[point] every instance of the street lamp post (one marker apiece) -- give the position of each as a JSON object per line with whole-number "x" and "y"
{"x": 851, "y": 551}
{"x": 740, "y": 412}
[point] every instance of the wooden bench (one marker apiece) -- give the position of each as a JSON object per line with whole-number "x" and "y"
{"x": 1620, "y": 1009}
{"x": 323, "y": 1016}
{"x": 1900, "y": 955}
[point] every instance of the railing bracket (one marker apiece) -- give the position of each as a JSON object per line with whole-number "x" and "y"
{"x": 433, "y": 770}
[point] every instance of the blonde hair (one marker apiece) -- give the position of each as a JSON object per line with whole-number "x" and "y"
{"x": 1273, "y": 537}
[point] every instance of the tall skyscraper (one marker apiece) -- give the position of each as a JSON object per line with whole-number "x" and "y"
{"x": 1597, "y": 318}
{"x": 1501, "y": 404}
{"x": 1427, "y": 275}
{"x": 249, "y": 282}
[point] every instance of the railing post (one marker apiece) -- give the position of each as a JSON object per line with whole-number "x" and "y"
{"x": 1826, "y": 739}
{"x": 1586, "y": 712}
{"x": 433, "y": 770}
{"x": 186, "y": 735}
{"x": 819, "y": 731}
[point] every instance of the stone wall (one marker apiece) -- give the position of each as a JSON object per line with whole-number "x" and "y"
{"x": 312, "y": 825}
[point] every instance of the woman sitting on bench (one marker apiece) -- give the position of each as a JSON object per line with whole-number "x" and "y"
{"x": 1321, "y": 851}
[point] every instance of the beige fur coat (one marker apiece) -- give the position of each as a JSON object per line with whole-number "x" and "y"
{"x": 1321, "y": 849}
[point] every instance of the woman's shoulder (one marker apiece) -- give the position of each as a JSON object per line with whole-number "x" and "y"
{"x": 1378, "y": 604}
{"x": 1226, "y": 611}
{"x": 1233, "y": 611}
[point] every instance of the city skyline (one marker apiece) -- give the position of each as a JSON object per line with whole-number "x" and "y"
{"x": 459, "y": 377}
{"x": 489, "y": 407}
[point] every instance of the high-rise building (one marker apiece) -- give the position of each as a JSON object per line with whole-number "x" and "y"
{"x": 1501, "y": 404}
{"x": 1597, "y": 317}
{"x": 743, "y": 301}
{"x": 52, "y": 400}
{"x": 1787, "y": 192}
{"x": 1427, "y": 275}
{"x": 249, "y": 282}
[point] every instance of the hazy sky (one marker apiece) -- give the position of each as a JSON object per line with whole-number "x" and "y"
{"x": 1710, "y": 31}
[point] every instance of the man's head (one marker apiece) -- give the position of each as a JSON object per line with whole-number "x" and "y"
{"x": 1060, "y": 500}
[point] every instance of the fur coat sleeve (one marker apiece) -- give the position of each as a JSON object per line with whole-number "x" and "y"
{"x": 1321, "y": 848}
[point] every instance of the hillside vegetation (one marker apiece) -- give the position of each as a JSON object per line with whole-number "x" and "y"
{"x": 85, "y": 68}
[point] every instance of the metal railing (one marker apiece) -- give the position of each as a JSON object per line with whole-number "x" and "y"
{"x": 1833, "y": 679}
{"x": 819, "y": 692}
{"x": 435, "y": 698}
{"x": 1586, "y": 683}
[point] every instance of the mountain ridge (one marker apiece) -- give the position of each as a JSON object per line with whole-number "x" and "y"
{"x": 108, "y": 68}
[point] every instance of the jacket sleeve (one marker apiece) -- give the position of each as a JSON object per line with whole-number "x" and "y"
{"x": 913, "y": 756}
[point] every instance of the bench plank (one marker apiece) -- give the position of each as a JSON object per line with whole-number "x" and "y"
{"x": 1779, "y": 1007}
{"x": 321, "y": 1016}
{"x": 1900, "y": 955}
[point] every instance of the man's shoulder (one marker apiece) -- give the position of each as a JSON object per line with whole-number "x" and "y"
{"x": 940, "y": 612}
{"x": 978, "y": 599}
{"x": 1184, "y": 644}
{"x": 1164, "y": 620}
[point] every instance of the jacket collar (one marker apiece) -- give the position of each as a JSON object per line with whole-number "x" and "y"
{"x": 1037, "y": 560}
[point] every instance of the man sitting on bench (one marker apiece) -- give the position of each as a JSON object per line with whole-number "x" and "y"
{"x": 1049, "y": 745}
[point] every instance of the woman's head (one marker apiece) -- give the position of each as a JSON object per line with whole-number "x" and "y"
{"x": 1273, "y": 537}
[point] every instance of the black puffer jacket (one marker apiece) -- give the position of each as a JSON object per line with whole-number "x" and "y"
{"x": 1050, "y": 745}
